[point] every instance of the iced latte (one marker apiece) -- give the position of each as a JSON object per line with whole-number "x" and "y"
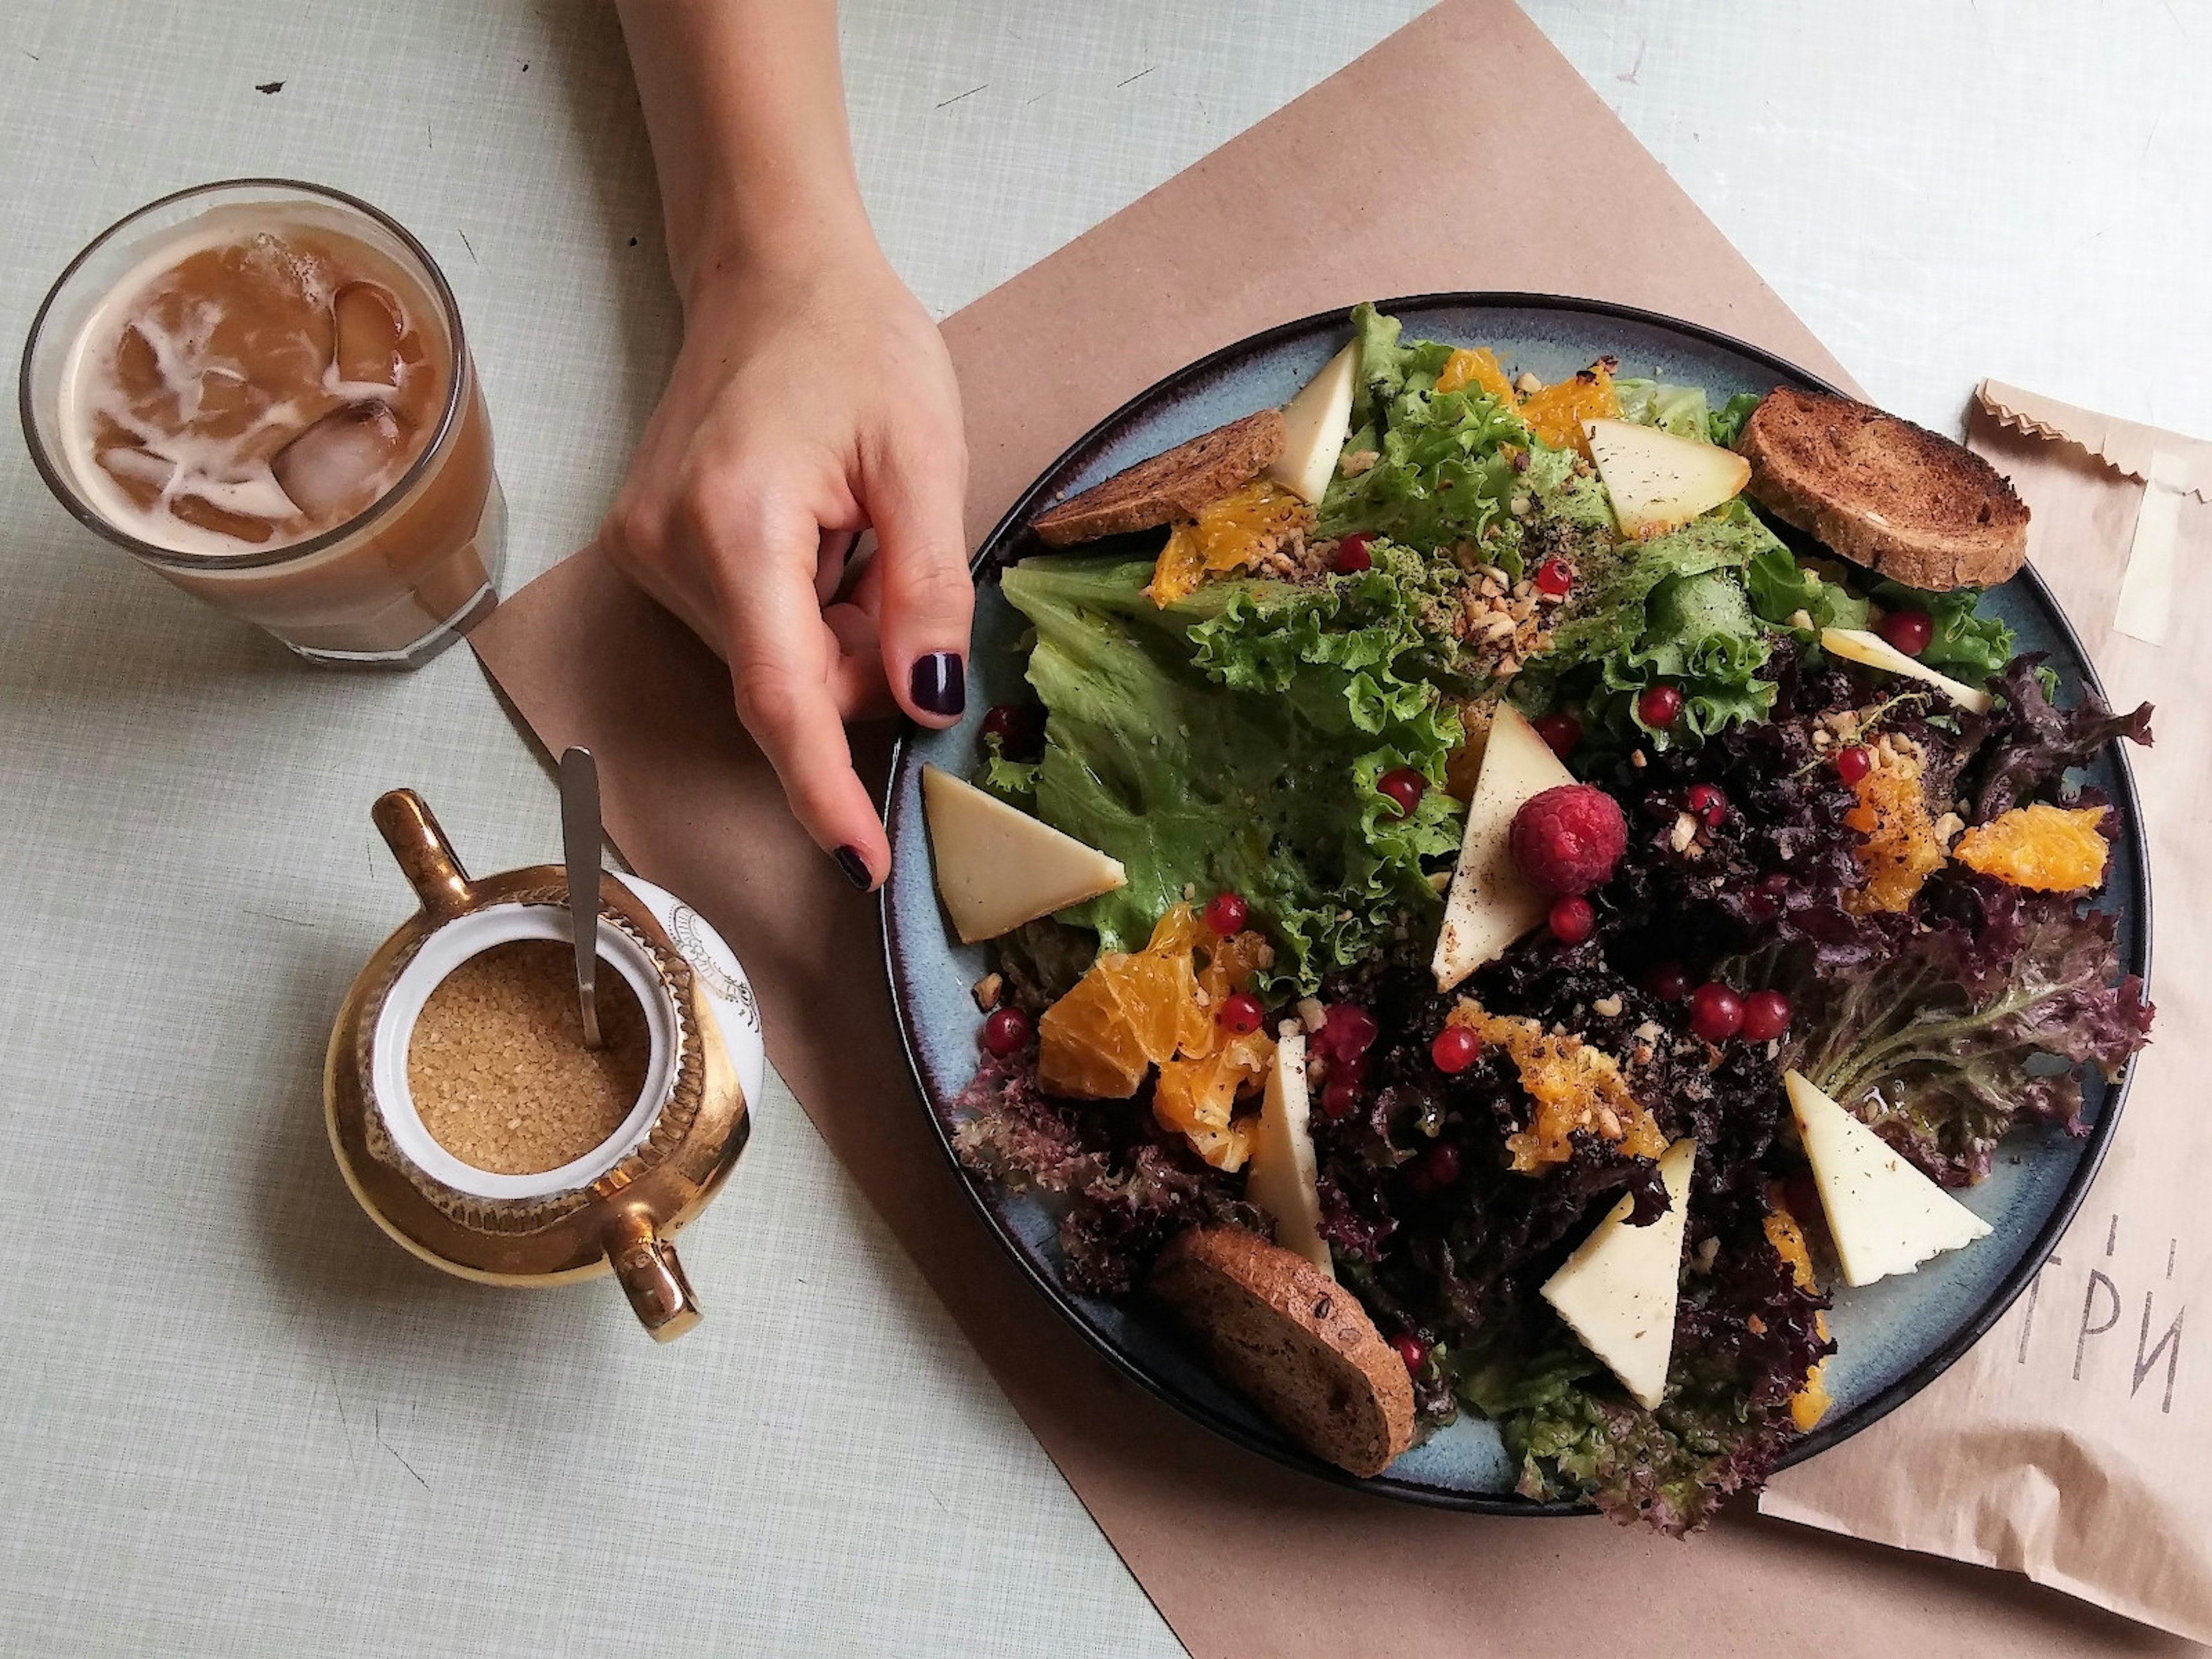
{"x": 262, "y": 390}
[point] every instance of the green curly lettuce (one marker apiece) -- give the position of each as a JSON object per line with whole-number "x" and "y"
{"x": 1725, "y": 424}
{"x": 1680, "y": 409}
{"x": 1233, "y": 739}
{"x": 1780, "y": 588}
{"x": 1672, "y": 609}
{"x": 1962, "y": 643}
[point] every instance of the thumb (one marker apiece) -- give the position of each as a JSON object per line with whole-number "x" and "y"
{"x": 928, "y": 600}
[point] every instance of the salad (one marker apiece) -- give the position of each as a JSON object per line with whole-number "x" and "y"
{"x": 1491, "y": 853}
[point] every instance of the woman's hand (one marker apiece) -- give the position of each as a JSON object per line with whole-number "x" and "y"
{"x": 810, "y": 401}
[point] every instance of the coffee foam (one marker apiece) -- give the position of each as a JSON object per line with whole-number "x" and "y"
{"x": 230, "y": 472}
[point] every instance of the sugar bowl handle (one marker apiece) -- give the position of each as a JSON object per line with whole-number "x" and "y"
{"x": 426, "y": 857}
{"x": 651, "y": 1276}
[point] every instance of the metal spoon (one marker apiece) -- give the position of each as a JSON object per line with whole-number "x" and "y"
{"x": 579, "y": 851}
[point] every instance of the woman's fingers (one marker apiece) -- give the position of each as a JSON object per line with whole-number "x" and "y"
{"x": 785, "y": 673}
{"x": 916, "y": 488}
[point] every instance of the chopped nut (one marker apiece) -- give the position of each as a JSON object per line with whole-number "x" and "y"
{"x": 1496, "y": 626}
{"x": 1650, "y": 1031}
{"x": 1636, "y": 759}
{"x": 1609, "y": 1122}
{"x": 1755, "y": 1325}
{"x": 1686, "y": 832}
{"x": 1607, "y": 1006}
{"x": 1799, "y": 619}
{"x": 1822, "y": 737}
{"x": 1522, "y": 506}
{"x": 1357, "y": 462}
{"x": 1491, "y": 572}
{"x": 987, "y": 991}
{"x": 1526, "y": 384}
{"x": 1702, "y": 1257}
{"x": 1947, "y": 827}
{"x": 1189, "y": 891}
{"x": 1312, "y": 1012}
{"x": 1439, "y": 879}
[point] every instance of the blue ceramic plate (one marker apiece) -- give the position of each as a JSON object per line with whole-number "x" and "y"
{"x": 1893, "y": 1338}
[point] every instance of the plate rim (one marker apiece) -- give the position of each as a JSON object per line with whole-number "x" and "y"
{"x": 1006, "y": 531}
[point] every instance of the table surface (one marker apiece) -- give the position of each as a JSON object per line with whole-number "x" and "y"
{"x": 235, "y": 1418}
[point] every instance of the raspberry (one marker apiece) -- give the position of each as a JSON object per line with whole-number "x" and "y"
{"x": 1568, "y": 839}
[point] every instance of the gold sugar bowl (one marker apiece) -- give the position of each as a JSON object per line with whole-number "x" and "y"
{"x": 612, "y": 1205}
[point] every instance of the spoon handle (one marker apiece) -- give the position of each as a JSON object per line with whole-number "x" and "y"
{"x": 579, "y": 851}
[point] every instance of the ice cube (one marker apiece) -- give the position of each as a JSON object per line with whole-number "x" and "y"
{"x": 342, "y": 462}
{"x": 368, "y": 323}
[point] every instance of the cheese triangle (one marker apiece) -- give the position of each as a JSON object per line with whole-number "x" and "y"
{"x": 997, "y": 867}
{"x": 1617, "y": 1291}
{"x": 1316, "y": 423}
{"x": 1283, "y": 1171}
{"x": 1885, "y": 1216}
{"x": 1491, "y": 904}
{"x": 1858, "y": 644}
{"x": 1657, "y": 481}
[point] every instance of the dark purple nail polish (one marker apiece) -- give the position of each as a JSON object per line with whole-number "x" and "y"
{"x": 855, "y": 868}
{"x": 940, "y": 682}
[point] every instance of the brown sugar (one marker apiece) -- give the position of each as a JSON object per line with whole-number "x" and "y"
{"x": 498, "y": 1067}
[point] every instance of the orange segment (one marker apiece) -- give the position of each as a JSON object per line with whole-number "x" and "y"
{"x": 1573, "y": 1086}
{"x": 1810, "y": 1403}
{"x": 1478, "y": 367}
{"x": 2050, "y": 849}
{"x": 1137, "y": 1009}
{"x": 1557, "y": 413}
{"x": 1237, "y": 531}
{"x": 1198, "y": 1096}
{"x": 1087, "y": 1046}
{"x": 1896, "y": 840}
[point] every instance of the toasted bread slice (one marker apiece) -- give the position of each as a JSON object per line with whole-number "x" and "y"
{"x": 1883, "y": 492}
{"x": 1295, "y": 1341}
{"x": 1174, "y": 484}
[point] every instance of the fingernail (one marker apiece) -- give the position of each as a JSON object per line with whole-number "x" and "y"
{"x": 855, "y": 866}
{"x": 940, "y": 682}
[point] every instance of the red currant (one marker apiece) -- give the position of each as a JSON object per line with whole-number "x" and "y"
{"x": 1710, "y": 805}
{"x": 1338, "y": 1099}
{"x": 1348, "y": 1032}
{"x": 1572, "y": 920}
{"x": 1352, "y": 554}
{"x": 1854, "y": 763}
{"x": 1240, "y": 1013}
{"x": 1225, "y": 913}
{"x": 1412, "y": 1350}
{"x": 1019, "y": 729}
{"x": 1765, "y": 1016}
{"x": 1669, "y": 982}
{"x": 1561, "y": 732}
{"x": 1404, "y": 787}
{"x": 1443, "y": 1165}
{"x": 1554, "y": 577}
{"x": 1716, "y": 1012}
{"x": 1455, "y": 1049}
{"x": 1909, "y": 631}
{"x": 1659, "y": 707}
{"x": 1007, "y": 1031}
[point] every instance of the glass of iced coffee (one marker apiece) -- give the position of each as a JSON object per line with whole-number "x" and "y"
{"x": 261, "y": 389}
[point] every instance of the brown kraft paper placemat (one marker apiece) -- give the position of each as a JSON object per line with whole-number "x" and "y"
{"x": 1241, "y": 1557}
